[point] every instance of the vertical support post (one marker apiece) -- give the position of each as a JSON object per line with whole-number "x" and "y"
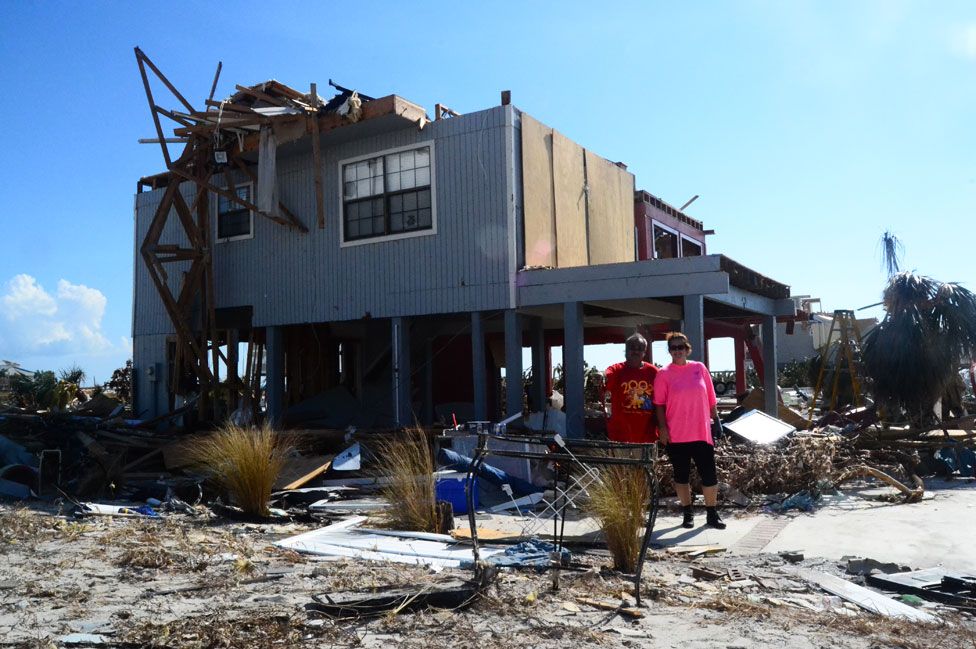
{"x": 233, "y": 376}
{"x": 770, "y": 404}
{"x": 740, "y": 365}
{"x": 402, "y": 408}
{"x": 694, "y": 325}
{"x": 429, "y": 381}
{"x": 275, "y": 349}
{"x": 573, "y": 368}
{"x": 479, "y": 376}
{"x": 513, "y": 363}
{"x": 538, "y": 391}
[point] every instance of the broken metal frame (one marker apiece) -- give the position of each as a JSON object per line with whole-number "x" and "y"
{"x": 561, "y": 453}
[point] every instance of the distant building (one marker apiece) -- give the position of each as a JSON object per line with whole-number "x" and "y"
{"x": 9, "y": 369}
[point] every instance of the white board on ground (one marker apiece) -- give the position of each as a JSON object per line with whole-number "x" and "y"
{"x": 866, "y": 599}
{"x": 759, "y": 428}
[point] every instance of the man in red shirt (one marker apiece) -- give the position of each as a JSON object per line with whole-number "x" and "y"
{"x": 631, "y": 388}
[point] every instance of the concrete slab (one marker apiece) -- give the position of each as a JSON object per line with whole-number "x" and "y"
{"x": 934, "y": 532}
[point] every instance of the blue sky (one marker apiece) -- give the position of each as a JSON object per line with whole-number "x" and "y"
{"x": 807, "y": 128}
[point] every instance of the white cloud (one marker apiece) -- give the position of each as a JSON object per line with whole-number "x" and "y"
{"x": 25, "y": 296}
{"x": 37, "y": 323}
{"x": 963, "y": 40}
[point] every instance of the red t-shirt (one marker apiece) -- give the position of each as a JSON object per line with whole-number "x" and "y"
{"x": 631, "y": 403}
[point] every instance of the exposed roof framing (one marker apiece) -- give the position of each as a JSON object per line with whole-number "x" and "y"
{"x": 218, "y": 141}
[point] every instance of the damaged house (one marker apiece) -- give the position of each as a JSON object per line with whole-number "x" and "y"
{"x": 353, "y": 261}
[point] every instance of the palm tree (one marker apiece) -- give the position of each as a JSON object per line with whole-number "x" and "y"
{"x": 912, "y": 355}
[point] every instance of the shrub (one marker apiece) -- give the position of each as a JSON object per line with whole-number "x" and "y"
{"x": 407, "y": 460}
{"x": 245, "y": 461}
{"x": 618, "y": 500}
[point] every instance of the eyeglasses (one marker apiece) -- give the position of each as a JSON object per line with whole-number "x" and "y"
{"x": 677, "y": 348}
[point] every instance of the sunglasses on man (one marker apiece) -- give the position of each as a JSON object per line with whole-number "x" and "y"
{"x": 677, "y": 348}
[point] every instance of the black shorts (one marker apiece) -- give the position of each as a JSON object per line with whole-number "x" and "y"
{"x": 704, "y": 455}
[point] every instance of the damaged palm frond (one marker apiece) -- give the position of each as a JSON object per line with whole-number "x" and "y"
{"x": 618, "y": 500}
{"x": 408, "y": 462}
{"x": 911, "y": 356}
{"x": 891, "y": 252}
{"x": 245, "y": 461}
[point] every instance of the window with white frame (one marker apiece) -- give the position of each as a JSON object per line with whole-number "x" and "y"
{"x": 388, "y": 195}
{"x": 235, "y": 221}
{"x": 665, "y": 242}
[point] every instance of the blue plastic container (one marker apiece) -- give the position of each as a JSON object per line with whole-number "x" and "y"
{"x": 449, "y": 487}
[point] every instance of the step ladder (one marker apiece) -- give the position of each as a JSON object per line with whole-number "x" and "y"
{"x": 843, "y": 357}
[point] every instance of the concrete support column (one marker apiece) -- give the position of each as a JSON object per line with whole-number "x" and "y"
{"x": 479, "y": 374}
{"x": 694, "y": 325}
{"x": 402, "y": 408}
{"x": 513, "y": 362}
{"x": 573, "y": 368}
{"x": 537, "y": 337}
{"x": 275, "y": 379}
{"x": 770, "y": 404}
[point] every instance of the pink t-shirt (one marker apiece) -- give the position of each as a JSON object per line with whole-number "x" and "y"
{"x": 687, "y": 394}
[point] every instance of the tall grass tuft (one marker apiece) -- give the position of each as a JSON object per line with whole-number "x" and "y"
{"x": 618, "y": 500}
{"x": 409, "y": 463}
{"x": 245, "y": 461}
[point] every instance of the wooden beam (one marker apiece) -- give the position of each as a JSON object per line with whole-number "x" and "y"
{"x": 233, "y": 197}
{"x": 162, "y": 77}
{"x": 213, "y": 87}
{"x": 257, "y": 94}
{"x": 281, "y": 206}
{"x": 317, "y": 162}
{"x": 140, "y": 60}
{"x": 308, "y": 477}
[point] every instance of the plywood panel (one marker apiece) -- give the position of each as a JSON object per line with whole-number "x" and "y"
{"x": 539, "y": 210}
{"x": 611, "y": 211}
{"x": 570, "y": 200}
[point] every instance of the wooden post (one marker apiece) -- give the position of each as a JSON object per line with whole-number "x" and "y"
{"x": 317, "y": 160}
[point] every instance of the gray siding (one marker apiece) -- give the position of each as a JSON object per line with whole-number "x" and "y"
{"x": 150, "y": 396}
{"x": 290, "y": 277}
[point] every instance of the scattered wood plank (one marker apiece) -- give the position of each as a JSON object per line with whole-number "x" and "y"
{"x": 308, "y": 477}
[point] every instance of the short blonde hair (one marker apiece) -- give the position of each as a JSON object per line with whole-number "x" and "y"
{"x": 677, "y": 335}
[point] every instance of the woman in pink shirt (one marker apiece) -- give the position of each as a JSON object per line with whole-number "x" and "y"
{"x": 685, "y": 397}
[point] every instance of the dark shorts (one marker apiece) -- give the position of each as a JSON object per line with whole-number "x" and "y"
{"x": 702, "y": 453}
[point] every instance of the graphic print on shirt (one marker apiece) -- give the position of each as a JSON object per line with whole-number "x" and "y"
{"x": 637, "y": 395}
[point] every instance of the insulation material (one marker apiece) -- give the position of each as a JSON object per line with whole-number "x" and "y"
{"x": 539, "y": 209}
{"x": 610, "y": 213}
{"x": 569, "y": 188}
{"x": 267, "y": 190}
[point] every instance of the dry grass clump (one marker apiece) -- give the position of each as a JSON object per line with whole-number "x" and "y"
{"x": 618, "y": 501}
{"x": 19, "y": 525}
{"x": 245, "y": 461}
{"x": 409, "y": 463}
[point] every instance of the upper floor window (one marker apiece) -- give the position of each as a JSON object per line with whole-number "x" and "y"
{"x": 233, "y": 220}
{"x": 690, "y": 247}
{"x": 665, "y": 243}
{"x": 389, "y": 195}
